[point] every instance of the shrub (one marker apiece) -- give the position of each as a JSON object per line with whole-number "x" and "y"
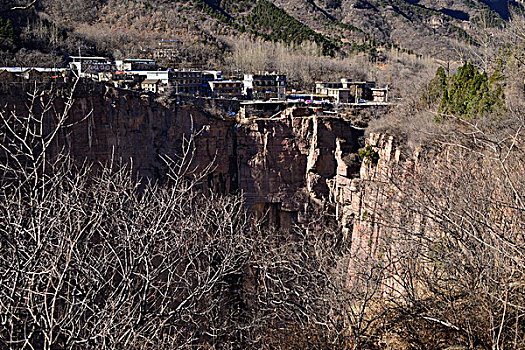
{"x": 369, "y": 155}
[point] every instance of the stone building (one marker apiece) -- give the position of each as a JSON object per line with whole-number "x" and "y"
{"x": 346, "y": 91}
{"x": 153, "y": 85}
{"x": 265, "y": 86}
{"x": 186, "y": 82}
{"x": 90, "y": 67}
{"x": 380, "y": 94}
{"x": 135, "y": 64}
{"x": 226, "y": 88}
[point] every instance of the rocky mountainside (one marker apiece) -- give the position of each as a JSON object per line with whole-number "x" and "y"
{"x": 125, "y": 27}
{"x": 285, "y": 167}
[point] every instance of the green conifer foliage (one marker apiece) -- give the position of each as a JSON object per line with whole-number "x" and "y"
{"x": 6, "y": 30}
{"x": 437, "y": 87}
{"x": 277, "y": 25}
{"x": 469, "y": 93}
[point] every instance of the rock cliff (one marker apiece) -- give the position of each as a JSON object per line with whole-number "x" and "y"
{"x": 285, "y": 166}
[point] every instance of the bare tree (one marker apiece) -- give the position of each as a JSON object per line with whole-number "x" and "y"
{"x": 449, "y": 220}
{"x": 17, "y": 5}
{"x": 89, "y": 260}
{"x": 92, "y": 258}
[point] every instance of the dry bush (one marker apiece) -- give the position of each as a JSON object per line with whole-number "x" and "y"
{"x": 304, "y": 65}
{"x": 455, "y": 221}
{"x": 450, "y": 220}
{"x": 91, "y": 258}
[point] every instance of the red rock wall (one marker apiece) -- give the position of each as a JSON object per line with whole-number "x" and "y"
{"x": 284, "y": 166}
{"x": 287, "y": 164}
{"x": 110, "y": 124}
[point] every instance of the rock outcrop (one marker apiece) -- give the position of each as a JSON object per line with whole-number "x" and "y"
{"x": 361, "y": 199}
{"x": 285, "y": 166}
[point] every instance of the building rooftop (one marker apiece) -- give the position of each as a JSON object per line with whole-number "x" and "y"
{"x": 88, "y": 58}
{"x": 225, "y": 81}
{"x": 139, "y": 60}
{"x": 150, "y": 81}
{"x": 261, "y": 102}
{"x": 25, "y": 69}
{"x": 345, "y": 82}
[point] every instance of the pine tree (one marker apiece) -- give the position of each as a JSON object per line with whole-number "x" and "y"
{"x": 469, "y": 93}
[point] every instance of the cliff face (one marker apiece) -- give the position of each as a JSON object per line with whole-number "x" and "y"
{"x": 285, "y": 166}
{"x": 137, "y": 129}
{"x": 361, "y": 200}
{"x": 289, "y": 168}
{"x": 106, "y": 124}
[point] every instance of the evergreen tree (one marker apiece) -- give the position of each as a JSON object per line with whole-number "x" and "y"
{"x": 469, "y": 93}
{"x": 6, "y": 30}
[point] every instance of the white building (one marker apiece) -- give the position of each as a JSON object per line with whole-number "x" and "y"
{"x": 135, "y": 64}
{"x": 265, "y": 86}
{"x": 153, "y": 85}
{"x": 89, "y": 67}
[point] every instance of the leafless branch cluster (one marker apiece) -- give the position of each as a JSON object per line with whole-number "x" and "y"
{"x": 15, "y": 6}
{"x": 92, "y": 258}
{"x": 452, "y": 233}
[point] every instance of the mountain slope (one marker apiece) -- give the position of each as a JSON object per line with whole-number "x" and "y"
{"x": 130, "y": 27}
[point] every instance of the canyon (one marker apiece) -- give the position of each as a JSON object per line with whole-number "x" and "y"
{"x": 420, "y": 222}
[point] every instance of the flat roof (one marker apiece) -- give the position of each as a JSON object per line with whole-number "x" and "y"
{"x": 25, "y": 69}
{"x": 88, "y": 58}
{"x": 345, "y": 82}
{"x": 185, "y": 70}
{"x": 262, "y": 102}
{"x": 139, "y": 60}
{"x": 146, "y": 71}
{"x": 226, "y": 81}
{"x": 306, "y": 95}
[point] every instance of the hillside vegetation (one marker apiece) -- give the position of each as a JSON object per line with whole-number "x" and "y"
{"x": 128, "y": 27}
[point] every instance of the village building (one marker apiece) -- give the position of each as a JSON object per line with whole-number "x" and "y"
{"x": 90, "y": 67}
{"x": 134, "y": 64}
{"x": 133, "y": 79}
{"x": 186, "y": 82}
{"x": 153, "y": 85}
{"x": 162, "y": 75}
{"x": 360, "y": 90}
{"x": 226, "y": 89}
{"x": 125, "y": 80}
{"x": 346, "y": 91}
{"x": 310, "y": 98}
{"x": 8, "y": 77}
{"x": 380, "y": 94}
{"x": 334, "y": 91}
{"x": 34, "y": 74}
{"x": 265, "y": 86}
{"x": 207, "y": 76}
{"x": 212, "y": 75}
